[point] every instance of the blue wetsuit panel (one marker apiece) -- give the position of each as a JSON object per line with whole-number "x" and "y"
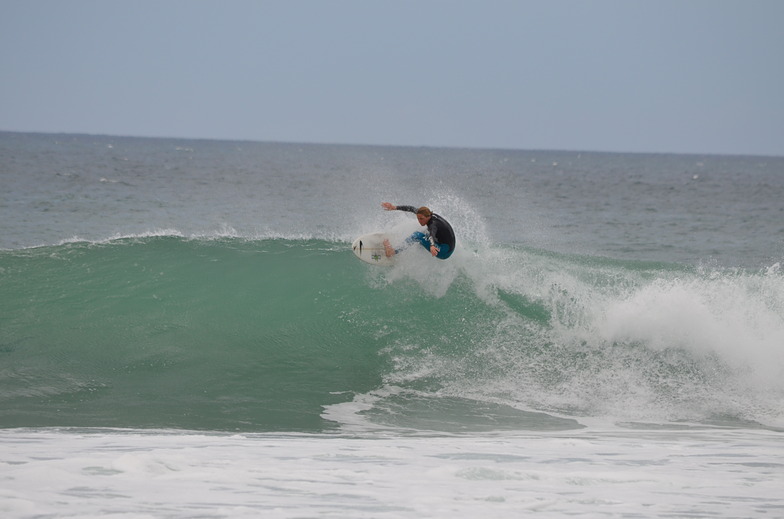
{"x": 444, "y": 250}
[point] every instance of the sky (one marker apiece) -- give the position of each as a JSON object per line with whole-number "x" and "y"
{"x": 663, "y": 76}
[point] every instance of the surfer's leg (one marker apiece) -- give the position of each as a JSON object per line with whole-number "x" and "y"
{"x": 443, "y": 251}
{"x": 419, "y": 237}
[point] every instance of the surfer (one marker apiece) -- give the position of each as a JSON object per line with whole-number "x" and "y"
{"x": 440, "y": 238}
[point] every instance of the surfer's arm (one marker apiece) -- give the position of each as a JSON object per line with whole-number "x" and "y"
{"x": 432, "y": 228}
{"x": 393, "y": 207}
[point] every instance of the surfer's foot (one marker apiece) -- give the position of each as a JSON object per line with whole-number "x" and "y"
{"x": 388, "y": 249}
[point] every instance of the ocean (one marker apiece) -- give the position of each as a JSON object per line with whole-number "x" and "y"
{"x": 184, "y": 332}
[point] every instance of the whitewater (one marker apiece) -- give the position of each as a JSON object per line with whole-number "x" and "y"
{"x": 184, "y": 332}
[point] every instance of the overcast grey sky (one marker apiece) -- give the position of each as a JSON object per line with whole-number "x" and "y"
{"x": 703, "y": 76}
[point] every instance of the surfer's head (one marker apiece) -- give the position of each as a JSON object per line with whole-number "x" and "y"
{"x": 423, "y": 214}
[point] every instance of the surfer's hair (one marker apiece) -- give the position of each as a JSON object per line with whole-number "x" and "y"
{"x": 424, "y": 211}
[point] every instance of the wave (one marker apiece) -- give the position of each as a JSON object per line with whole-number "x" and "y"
{"x": 232, "y": 333}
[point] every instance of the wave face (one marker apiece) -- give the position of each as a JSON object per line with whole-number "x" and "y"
{"x": 296, "y": 335}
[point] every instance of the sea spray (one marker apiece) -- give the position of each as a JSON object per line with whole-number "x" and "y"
{"x": 586, "y": 336}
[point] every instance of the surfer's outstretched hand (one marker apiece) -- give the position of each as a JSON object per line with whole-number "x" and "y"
{"x": 388, "y": 206}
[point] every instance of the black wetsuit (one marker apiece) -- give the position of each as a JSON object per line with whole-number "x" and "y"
{"x": 440, "y": 232}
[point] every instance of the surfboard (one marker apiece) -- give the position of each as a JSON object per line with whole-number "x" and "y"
{"x": 370, "y": 249}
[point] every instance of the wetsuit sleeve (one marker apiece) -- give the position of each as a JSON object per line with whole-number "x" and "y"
{"x": 406, "y": 208}
{"x": 432, "y": 229}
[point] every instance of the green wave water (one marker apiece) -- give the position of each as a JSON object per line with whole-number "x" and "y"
{"x": 296, "y": 335}
{"x": 166, "y": 332}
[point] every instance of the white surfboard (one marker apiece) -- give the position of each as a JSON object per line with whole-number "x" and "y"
{"x": 370, "y": 249}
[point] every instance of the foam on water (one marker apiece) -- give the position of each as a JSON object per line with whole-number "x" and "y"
{"x": 735, "y": 315}
{"x": 665, "y": 473}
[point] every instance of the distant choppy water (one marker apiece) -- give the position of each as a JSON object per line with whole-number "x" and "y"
{"x": 607, "y": 322}
{"x": 673, "y": 208}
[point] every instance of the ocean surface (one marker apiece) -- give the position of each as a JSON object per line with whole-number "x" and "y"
{"x": 184, "y": 332}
